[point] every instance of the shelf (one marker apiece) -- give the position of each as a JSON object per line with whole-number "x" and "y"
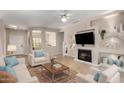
{"x": 116, "y": 34}
{"x": 112, "y": 51}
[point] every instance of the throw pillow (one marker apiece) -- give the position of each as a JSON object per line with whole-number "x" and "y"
{"x": 97, "y": 76}
{"x": 2, "y": 68}
{"x": 11, "y": 61}
{"x": 121, "y": 59}
{"x": 38, "y": 54}
{"x": 110, "y": 61}
{"x": 8, "y": 69}
{"x": 7, "y": 78}
{"x": 118, "y": 63}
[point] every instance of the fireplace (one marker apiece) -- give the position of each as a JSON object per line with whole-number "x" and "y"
{"x": 85, "y": 55}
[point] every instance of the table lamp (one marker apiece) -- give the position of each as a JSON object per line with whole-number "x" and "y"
{"x": 11, "y": 49}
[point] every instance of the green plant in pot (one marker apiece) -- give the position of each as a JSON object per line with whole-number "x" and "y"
{"x": 102, "y": 34}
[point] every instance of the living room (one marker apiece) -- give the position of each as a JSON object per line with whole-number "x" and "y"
{"x": 76, "y": 46}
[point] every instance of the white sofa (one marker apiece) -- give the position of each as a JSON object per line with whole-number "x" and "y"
{"x": 22, "y": 73}
{"x": 35, "y": 61}
{"x": 110, "y": 75}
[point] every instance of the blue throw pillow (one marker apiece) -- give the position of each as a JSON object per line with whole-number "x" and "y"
{"x": 2, "y": 68}
{"x": 111, "y": 61}
{"x": 118, "y": 63}
{"x": 11, "y": 61}
{"x": 97, "y": 76}
{"x": 8, "y": 69}
{"x": 38, "y": 54}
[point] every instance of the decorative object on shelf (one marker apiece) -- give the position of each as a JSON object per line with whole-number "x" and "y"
{"x": 113, "y": 42}
{"x": 102, "y": 34}
{"x": 66, "y": 50}
{"x": 91, "y": 23}
{"x": 73, "y": 45}
{"x": 121, "y": 27}
{"x": 11, "y": 49}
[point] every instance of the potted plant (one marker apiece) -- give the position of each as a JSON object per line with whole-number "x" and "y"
{"x": 102, "y": 34}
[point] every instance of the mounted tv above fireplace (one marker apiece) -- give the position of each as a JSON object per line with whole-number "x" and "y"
{"x": 85, "y": 38}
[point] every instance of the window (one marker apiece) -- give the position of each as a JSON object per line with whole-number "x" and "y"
{"x": 51, "y": 38}
{"x": 36, "y": 39}
{"x": 36, "y": 43}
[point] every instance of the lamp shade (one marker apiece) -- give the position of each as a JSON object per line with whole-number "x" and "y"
{"x": 11, "y": 48}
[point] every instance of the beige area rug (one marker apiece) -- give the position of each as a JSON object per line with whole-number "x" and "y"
{"x": 45, "y": 77}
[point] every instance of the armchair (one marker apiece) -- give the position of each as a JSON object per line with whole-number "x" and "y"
{"x": 35, "y": 61}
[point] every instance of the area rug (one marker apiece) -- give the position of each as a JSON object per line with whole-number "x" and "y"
{"x": 44, "y": 76}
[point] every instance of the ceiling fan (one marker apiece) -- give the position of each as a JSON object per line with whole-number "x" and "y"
{"x": 65, "y": 15}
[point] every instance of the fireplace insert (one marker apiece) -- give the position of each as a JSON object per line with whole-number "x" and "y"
{"x": 85, "y": 55}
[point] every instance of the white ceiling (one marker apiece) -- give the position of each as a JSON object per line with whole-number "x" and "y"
{"x": 45, "y": 18}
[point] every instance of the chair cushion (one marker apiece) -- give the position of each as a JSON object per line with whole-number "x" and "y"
{"x": 11, "y": 61}
{"x": 38, "y": 54}
{"x": 2, "y": 63}
{"x": 40, "y": 59}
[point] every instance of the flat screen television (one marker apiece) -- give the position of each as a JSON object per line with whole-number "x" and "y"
{"x": 84, "y": 38}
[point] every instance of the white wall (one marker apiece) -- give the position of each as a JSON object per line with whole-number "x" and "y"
{"x": 53, "y": 50}
{"x": 59, "y": 40}
{"x": 99, "y": 24}
{"x": 69, "y": 35}
{"x": 2, "y": 38}
{"x": 18, "y": 38}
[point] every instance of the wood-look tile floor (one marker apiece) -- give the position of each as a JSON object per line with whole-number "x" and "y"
{"x": 80, "y": 67}
{"x": 76, "y": 66}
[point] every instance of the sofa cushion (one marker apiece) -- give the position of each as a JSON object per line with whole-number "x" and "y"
{"x": 22, "y": 73}
{"x": 108, "y": 74}
{"x": 11, "y": 61}
{"x": 2, "y": 63}
{"x": 38, "y": 53}
{"x": 40, "y": 59}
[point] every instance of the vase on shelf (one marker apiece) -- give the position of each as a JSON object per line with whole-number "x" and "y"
{"x": 102, "y": 34}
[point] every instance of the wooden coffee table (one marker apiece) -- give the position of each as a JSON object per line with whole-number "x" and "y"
{"x": 55, "y": 71}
